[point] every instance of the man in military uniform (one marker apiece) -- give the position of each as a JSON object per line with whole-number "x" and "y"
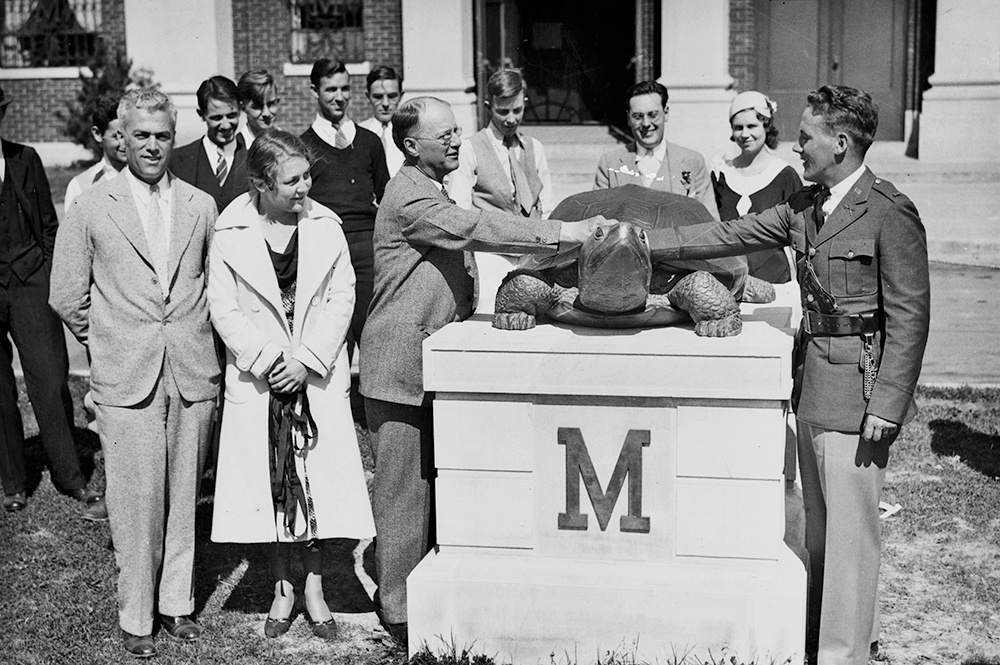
{"x": 862, "y": 265}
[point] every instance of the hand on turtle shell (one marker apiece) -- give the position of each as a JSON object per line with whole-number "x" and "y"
{"x": 575, "y": 233}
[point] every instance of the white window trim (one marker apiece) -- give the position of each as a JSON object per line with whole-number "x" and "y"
{"x": 23, "y": 73}
{"x": 353, "y": 68}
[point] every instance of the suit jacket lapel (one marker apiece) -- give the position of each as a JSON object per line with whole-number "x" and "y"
{"x": 670, "y": 171}
{"x": 851, "y": 208}
{"x": 125, "y": 215}
{"x": 182, "y": 225}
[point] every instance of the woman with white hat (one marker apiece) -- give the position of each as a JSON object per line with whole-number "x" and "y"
{"x": 755, "y": 179}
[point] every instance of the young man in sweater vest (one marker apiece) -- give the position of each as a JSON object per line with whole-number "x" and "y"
{"x": 385, "y": 90}
{"x": 349, "y": 175}
{"x": 503, "y": 170}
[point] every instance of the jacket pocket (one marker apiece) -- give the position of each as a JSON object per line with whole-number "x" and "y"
{"x": 844, "y": 350}
{"x": 852, "y": 267}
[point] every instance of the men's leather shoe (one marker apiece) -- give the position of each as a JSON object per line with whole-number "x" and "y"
{"x": 181, "y": 628}
{"x": 96, "y": 512}
{"x": 85, "y": 495}
{"x": 13, "y": 503}
{"x": 140, "y": 646}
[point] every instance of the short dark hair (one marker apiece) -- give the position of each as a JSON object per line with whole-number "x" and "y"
{"x": 505, "y": 83}
{"x": 383, "y": 73}
{"x": 406, "y": 120}
{"x": 325, "y": 68}
{"x": 253, "y": 86}
{"x": 847, "y": 110}
{"x": 219, "y": 88}
{"x": 105, "y": 110}
{"x": 647, "y": 88}
{"x": 268, "y": 150}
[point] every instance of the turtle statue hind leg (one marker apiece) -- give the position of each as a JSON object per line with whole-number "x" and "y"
{"x": 522, "y": 296}
{"x": 709, "y": 303}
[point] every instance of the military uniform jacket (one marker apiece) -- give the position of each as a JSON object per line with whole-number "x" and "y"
{"x": 871, "y": 255}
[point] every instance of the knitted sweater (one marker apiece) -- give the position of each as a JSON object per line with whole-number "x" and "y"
{"x": 350, "y": 181}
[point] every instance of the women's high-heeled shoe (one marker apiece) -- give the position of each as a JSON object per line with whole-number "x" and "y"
{"x": 325, "y": 630}
{"x": 277, "y": 627}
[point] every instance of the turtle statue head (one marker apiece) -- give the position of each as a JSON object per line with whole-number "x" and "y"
{"x": 615, "y": 267}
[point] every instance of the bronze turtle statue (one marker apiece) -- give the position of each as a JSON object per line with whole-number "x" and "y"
{"x": 612, "y": 280}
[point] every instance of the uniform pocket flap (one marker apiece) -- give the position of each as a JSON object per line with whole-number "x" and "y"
{"x": 845, "y": 349}
{"x": 852, "y": 248}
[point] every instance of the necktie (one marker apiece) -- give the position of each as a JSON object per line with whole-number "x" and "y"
{"x": 820, "y": 205}
{"x": 386, "y": 138}
{"x": 340, "y": 140}
{"x": 156, "y": 238}
{"x": 222, "y": 169}
{"x": 522, "y": 191}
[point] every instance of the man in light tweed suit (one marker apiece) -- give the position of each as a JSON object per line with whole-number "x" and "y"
{"x": 128, "y": 278}
{"x": 425, "y": 278}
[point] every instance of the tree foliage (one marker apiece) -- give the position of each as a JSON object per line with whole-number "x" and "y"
{"x": 110, "y": 72}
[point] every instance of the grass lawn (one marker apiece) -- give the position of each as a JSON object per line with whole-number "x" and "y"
{"x": 940, "y": 587}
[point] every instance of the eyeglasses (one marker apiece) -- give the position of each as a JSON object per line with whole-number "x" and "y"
{"x": 445, "y": 139}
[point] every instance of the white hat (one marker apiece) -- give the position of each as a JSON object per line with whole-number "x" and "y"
{"x": 752, "y": 99}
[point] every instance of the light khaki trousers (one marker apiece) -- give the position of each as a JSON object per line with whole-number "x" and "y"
{"x": 153, "y": 455}
{"x": 842, "y": 479}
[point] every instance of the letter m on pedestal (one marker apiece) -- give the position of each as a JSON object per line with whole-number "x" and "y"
{"x": 579, "y": 464}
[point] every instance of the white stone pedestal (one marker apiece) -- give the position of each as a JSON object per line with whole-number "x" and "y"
{"x": 609, "y": 491}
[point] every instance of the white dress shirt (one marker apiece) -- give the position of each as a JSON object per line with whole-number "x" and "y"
{"x": 99, "y": 172}
{"x": 212, "y": 150}
{"x": 839, "y": 191}
{"x": 327, "y": 131}
{"x": 141, "y": 194}
{"x": 648, "y": 162}
{"x": 393, "y": 157}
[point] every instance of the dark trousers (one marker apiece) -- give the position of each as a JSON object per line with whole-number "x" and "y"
{"x": 403, "y": 497}
{"x": 25, "y": 317}
{"x": 359, "y": 243}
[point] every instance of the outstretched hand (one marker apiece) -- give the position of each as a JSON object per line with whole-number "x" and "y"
{"x": 575, "y": 233}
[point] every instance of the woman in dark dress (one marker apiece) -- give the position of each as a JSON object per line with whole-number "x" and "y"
{"x": 755, "y": 179}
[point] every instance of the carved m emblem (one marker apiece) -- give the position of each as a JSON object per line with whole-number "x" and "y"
{"x": 579, "y": 464}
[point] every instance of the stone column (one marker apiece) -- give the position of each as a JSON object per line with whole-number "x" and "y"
{"x": 438, "y": 55}
{"x": 695, "y": 68}
{"x": 960, "y": 121}
{"x": 180, "y": 51}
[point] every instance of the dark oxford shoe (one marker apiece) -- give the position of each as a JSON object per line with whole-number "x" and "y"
{"x": 140, "y": 646}
{"x": 13, "y": 503}
{"x": 85, "y": 495}
{"x": 181, "y": 628}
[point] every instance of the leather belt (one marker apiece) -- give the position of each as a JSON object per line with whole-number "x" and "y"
{"x": 836, "y": 325}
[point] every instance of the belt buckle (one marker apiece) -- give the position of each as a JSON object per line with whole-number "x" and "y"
{"x": 807, "y": 322}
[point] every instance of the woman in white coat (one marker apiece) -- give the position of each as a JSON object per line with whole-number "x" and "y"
{"x": 281, "y": 294}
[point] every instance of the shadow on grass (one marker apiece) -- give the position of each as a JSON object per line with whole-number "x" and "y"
{"x": 980, "y": 451}
{"x": 250, "y": 591}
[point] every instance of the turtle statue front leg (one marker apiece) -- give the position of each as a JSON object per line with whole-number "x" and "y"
{"x": 709, "y": 303}
{"x": 523, "y": 295}
{"x": 756, "y": 290}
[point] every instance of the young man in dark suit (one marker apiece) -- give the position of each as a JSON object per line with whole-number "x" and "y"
{"x": 215, "y": 163}
{"x": 28, "y": 224}
{"x": 862, "y": 269}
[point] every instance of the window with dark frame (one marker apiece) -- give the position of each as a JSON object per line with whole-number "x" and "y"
{"x": 49, "y": 33}
{"x": 327, "y": 29}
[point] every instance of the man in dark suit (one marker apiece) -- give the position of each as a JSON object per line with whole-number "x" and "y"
{"x": 862, "y": 269}
{"x": 425, "y": 278}
{"x": 28, "y": 226}
{"x": 129, "y": 279}
{"x": 650, "y": 159}
{"x": 215, "y": 163}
